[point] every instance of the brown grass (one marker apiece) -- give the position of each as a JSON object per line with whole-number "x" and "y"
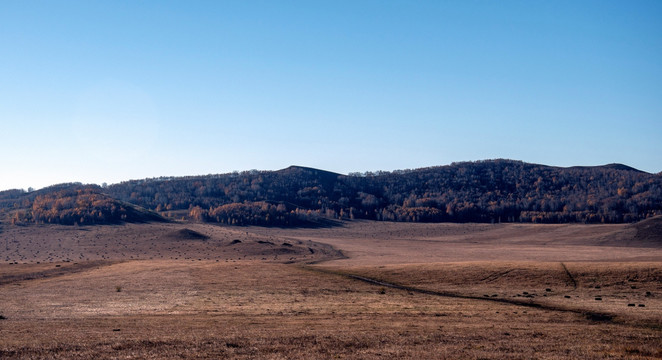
{"x": 267, "y": 309}
{"x": 155, "y": 241}
{"x": 377, "y": 243}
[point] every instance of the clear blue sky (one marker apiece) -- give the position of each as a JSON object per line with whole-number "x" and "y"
{"x": 105, "y": 91}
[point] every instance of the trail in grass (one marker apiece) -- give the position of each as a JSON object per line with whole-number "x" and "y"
{"x": 572, "y": 278}
{"x": 589, "y": 314}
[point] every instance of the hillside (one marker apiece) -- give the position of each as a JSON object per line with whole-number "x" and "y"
{"x": 649, "y": 231}
{"x": 70, "y": 204}
{"x": 483, "y": 191}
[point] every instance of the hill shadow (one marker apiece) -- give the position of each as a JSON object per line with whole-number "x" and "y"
{"x": 317, "y": 224}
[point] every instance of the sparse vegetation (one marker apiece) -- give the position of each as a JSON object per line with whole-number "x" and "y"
{"x": 285, "y": 311}
{"x": 444, "y": 290}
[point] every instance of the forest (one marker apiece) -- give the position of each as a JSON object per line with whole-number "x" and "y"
{"x": 483, "y": 191}
{"x": 72, "y": 204}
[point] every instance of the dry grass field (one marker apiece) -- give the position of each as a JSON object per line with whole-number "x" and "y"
{"x": 360, "y": 290}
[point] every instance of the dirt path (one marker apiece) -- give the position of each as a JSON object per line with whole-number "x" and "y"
{"x": 572, "y": 279}
{"x": 589, "y": 314}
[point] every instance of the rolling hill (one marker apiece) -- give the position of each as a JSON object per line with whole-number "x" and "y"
{"x": 71, "y": 204}
{"x": 482, "y": 191}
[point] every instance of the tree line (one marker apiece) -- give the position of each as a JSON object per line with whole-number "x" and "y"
{"x": 482, "y": 191}
{"x": 75, "y": 205}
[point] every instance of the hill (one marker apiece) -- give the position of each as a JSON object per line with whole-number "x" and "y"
{"x": 482, "y": 191}
{"x": 649, "y": 231}
{"x": 70, "y": 204}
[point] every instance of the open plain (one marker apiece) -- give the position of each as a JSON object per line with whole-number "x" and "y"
{"x": 352, "y": 289}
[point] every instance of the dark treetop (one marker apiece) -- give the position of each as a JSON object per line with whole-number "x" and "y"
{"x": 483, "y": 191}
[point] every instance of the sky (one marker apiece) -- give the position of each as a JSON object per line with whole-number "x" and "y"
{"x": 106, "y": 91}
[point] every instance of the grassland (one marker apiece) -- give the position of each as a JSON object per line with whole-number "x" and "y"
{"x": 361, "y": 290}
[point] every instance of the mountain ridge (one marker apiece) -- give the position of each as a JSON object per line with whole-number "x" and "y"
{"x": 498, "y": 190}
{"x": 292, "y": 168}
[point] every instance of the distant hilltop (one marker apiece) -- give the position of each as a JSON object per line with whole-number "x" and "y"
{"x": 481, "y": 191}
